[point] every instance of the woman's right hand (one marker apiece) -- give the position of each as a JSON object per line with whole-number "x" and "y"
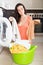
{"x": 11, "y": 18}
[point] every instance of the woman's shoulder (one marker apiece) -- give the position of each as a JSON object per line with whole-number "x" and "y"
{"x": 29, "y": 19}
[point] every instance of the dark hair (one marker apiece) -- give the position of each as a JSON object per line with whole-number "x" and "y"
{"x": 17, "y": 15}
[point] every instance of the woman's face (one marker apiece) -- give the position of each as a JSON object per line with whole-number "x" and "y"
{"x": 20, "y": 10}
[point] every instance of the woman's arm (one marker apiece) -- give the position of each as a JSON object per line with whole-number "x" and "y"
{"x": 36, "y": 21}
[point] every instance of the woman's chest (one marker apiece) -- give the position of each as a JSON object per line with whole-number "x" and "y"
{"x": 23, "y": 23}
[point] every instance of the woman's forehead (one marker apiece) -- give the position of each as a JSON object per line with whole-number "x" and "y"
{"x": 19, "y": 7}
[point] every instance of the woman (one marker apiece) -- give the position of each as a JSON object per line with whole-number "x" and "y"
{"x": 25, "y": 23}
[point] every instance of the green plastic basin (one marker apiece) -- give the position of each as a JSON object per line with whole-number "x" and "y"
{"x": 25, "y": 57}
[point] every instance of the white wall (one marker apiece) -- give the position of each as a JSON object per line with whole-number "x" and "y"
{"x": 29, "y": 4}
{"x": 37, "y": 4}
{"x": 33, "y": 4}
{"x": 7, "y": 3}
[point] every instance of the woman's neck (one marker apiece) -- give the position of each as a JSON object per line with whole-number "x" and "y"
{"x": 22, "y": 20}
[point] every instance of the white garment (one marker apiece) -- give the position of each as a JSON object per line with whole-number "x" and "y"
{"x": 25, "y": 43}
{"x": 7, "y": 40}
{"x": 1, "y": 12}
{"x": 1, "y": 15}
{"x": 11, "y": 31}
{"x": 16, "y": 34}
{"x": 8, "y": 29}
